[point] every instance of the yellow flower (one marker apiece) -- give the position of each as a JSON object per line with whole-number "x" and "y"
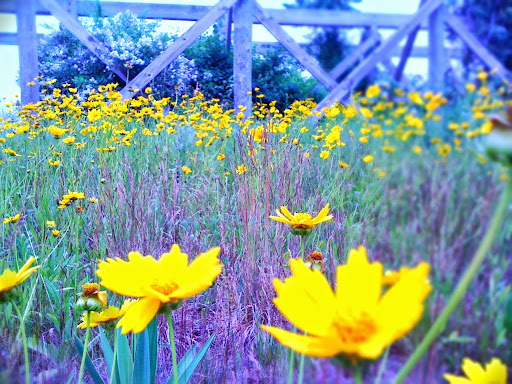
{"x": 12, "y": 219}
{"x": 356, "y": 321}
{"x": 495, "y": 372}
{"x": 69, "y": 140}
{"x": 108, "y": 315}
{"x": 368, "y": 159}
{"x": 416, "y": 149}
{"x": 343, "y": 165}
{"x": 10, "y": 279}
{"x": 241, "y": 169}
{"x": 186, "y": 170}
{"x": 301, "y": 223}
{"x": 157, "y": 283}
{"x": 55, "y": 232}
{"x": 325, "y": 154}
{"x": 221, "y": 157}
{"x": 50, "y": 224}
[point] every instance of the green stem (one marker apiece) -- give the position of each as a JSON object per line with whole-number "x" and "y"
{"x": 291, "y": 361}
{"x": 302, "y": 356}
{"x": 173, "y": 348}
{"x": 358, "y": 376}
{"x": 382, "y": 366}
{"x": 462, "y": 287}
{"x": 25, "y": 343}
{"x": 113, "y": 369}
{"x": 86, "y": 344}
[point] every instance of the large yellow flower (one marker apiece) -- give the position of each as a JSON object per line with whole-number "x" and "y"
{"x": 108, "y": 315}
{"x": 10, "y": 279}
{"x": 495, "y": 372}
{"x": 301, "y": 221}
{"x": 157, "y": 283}
{"x": 358, "y": 320}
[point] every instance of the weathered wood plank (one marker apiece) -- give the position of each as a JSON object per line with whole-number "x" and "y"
{"x": 27, "y": 43}
{"x": 357, "y": 54}
{"x": 81, "y": 34}
{"x": 242, "y": 55}
{"x": 417, "y": 52}
{"x": 436, "y": 55}
{"x": 343, "y": 89}
{"x": 11, "y": 38}
{"x": 406, "y": 52}
{"x": 294, "y": 48}
{"x": 457, "y": 26}
{"x": 297, "y": 17}
{"x": 177, "y": 48}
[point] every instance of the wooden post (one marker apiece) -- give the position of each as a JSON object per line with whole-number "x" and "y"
{"x": 436, "y": 54}
{"x": 228, "y": 29}
{"x": 71, "y": 8}
{"x": 242, "y": 55}
{"x": 27, "y": 46}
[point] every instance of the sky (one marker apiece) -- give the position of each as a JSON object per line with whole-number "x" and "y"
{"x": 9, "y": 64}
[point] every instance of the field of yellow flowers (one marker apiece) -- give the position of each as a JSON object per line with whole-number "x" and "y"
{"x": 351, "y": 245}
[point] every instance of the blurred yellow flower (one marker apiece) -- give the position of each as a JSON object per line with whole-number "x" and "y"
{"x": 357, "y": 320}
{"x": 495, "y": 372}
{"x": 55, "y": 232}
{"x": 186, "y": 170}
{"x": 368, "y": 159}
{"x": 50, "y": 224}
{"x": 325, "y": 154}
{"x": 241, "y": 169}
{"x": 12, "y": 219}
{"x": 157, "y": 283}
{"x": 10, "y": 279}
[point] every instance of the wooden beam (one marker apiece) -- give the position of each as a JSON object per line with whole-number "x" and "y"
{"x": 436, "y": 55}
{"x": 81, "y": 34}
{"x": 177, "y": 48}
{"x": 356, "y": 55}
{"x": 343, "y": 89}
{"x": 242, "y": 55}
{"x": 406, "y": 52}
{"x": 297, "y": 17}
{"x": 294, "y": 48}
{"x": 27, "y": 43}
{"x": 417, "y": 52}
{"x": 457, "y": 26}
{"x": 11, "y": 38}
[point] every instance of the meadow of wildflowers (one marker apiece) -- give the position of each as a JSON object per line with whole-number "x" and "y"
{"x": 348, "y": 245}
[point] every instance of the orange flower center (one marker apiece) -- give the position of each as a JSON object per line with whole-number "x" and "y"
{"x": 164, "y": 288}
{"x": 90, "y": 289}
{"x": 355, "y": 329}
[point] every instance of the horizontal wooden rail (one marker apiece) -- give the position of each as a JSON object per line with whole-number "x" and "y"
{"x": 294, "y": 17}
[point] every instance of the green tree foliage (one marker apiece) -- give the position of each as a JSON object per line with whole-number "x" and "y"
{"x": 328, "y": 45}
{"x": 491, "y": 22}
{"x": 206, "y": 66}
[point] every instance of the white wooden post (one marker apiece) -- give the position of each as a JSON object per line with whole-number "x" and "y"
{"x": 242, "y": 58}
{"x": 436, "y": 54}
{"x": 27, "y": 46}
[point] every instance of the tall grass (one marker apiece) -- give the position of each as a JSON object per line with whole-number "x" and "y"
{"x": 403, "y": 206}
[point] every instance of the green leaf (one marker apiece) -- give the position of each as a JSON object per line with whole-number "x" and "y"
{"x": 107, "y": 352}
{"x": 124, "y": 359}
{"x": 153, "y": 347}
{"x": 141, "y": 364}
{"x": 89, "y": 366}
{"x": 190, "y": 361}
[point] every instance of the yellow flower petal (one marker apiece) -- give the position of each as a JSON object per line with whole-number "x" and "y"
{"x": 310, "y": 345}
{"x": 139, "y": 315}
{"x": 361, "y": 277}
{"x": 306, "y": 299}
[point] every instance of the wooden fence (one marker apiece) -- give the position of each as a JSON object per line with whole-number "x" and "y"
{"x": 431, "y": 15}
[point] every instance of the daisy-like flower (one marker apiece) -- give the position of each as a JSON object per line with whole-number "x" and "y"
{"x": 357, "y": 320}
{"x": 302, "y": 223}
{"x": 158, "y": 284}
{"x": 10, "y": 279}
{"x": 12, "y": 219}
{"x": 108, "y": 315}
{"x": 495, "y": 372}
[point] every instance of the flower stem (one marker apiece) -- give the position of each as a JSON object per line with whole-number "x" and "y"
{"x": 86, "y": 344}
{"x": 462, "y": 286}
{"x": 113, "y": 369}
{"x": 302, "y": 356}
{"x": 358, "y": 376}
{"x": 25, "y": 343}
{"x": 291, "y": 361}
{"x": 173, "y": 348}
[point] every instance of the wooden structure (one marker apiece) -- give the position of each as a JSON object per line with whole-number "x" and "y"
{"x": 431, "y": 15}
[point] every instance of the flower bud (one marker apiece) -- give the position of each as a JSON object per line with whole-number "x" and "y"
{"x": 91, "y": 299}
{"x": 315, "y": 261}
